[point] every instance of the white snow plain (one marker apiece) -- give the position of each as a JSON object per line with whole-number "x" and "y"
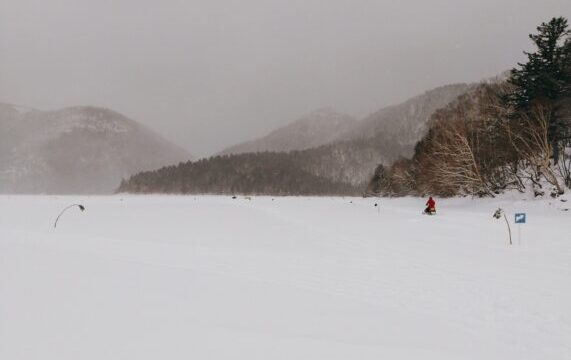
{"x": 207, "y": 277}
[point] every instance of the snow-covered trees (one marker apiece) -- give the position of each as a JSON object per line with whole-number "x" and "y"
{"x": 251, "y": 173}
{"x": 545, "y": 80}
{"x": 499, "y": 135}
{"x": 530, "y": 141}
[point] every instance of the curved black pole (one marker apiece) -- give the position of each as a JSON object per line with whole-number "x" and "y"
{"x": 509, "y": 229}
{"x": 81, "y": 207}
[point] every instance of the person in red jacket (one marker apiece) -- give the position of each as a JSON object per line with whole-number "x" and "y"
{"x": 430, "y": 206}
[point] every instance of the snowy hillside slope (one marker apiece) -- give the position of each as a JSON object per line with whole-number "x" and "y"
{"x": 403, "y": 124}
{"x": 76, "y": 150}
{"x": 171, "y": 277}
{"x": 318, "y": 128}
{"x": 406, "y": 123}
{"x": 349, "y": 151}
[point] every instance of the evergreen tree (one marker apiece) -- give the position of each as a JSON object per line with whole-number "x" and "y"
{"x": 546, "y": 78}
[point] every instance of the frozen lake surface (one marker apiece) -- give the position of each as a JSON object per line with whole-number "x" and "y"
{"x": 206, "y": 277}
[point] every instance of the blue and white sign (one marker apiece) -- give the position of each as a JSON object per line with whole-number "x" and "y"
{"x": 520, "y": 218}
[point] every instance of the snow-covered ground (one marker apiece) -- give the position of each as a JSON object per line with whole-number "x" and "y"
{"x": 167, "y": 277}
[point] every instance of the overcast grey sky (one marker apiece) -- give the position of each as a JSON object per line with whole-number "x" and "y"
{"x": 207, "y": 74}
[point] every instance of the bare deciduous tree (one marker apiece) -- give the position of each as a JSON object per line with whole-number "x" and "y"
{"x": 529, "y": 137}
{"x": 454, "y": 162}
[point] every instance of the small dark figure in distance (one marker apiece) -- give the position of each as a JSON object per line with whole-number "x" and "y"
{"x": 430, "y": 206}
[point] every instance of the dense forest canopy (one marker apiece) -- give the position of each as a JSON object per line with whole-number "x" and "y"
{"x": 267, "y": 173}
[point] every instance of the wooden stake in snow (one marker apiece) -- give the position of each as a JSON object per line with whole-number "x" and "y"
{"x": 498, "y": 214}
{"x": 81, "y": 207}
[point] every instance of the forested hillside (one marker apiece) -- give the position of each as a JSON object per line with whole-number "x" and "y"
{"x": 454, "y": 140}
{"x": 328, "y": 169}
{"x": 346, "y": 164}
{"x": 509, "y": 135}
{"x": 254, "y": 173}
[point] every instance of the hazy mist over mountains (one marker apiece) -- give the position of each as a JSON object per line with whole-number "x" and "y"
{"x": 401, "y": 125}
{"x": 76, "y": 150}
{"x": 317, "y": 128}
{"x": 110, "y": 89}
{"x": 280, "y": 164}
{"x": 90, "y": 150}
{"x": 208, "y": 75}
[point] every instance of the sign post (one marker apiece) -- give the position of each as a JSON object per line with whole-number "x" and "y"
{"x": 519, "y": 218}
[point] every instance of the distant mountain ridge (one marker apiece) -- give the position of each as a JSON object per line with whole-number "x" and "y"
{"x": 318, "y": 128}
{"x": 406, "y": 123}
{"x": 381, "y": 138}
{"x": 82, "y": 149}
{"x": 403, "y": 124}
{"x": 344, "y": 165}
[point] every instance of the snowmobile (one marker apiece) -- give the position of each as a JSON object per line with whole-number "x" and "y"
{"x": 429, "y": 211}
